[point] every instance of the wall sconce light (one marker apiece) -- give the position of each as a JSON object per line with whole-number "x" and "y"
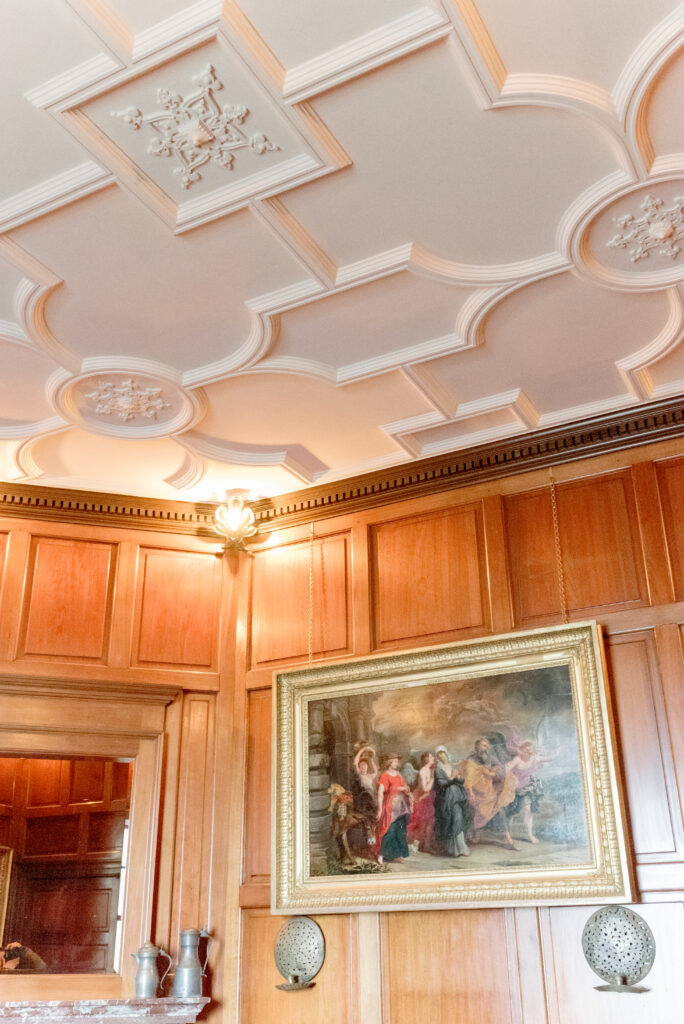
{"x": 234, "y": 521}
{"x": 619, "y": 946}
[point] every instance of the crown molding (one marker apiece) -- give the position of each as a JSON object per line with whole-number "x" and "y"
{"x": 540, "y": 449}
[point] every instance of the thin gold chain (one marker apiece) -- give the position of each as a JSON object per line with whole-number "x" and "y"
{"x": 559, "y": 551}
{"x": 311, "y": 582}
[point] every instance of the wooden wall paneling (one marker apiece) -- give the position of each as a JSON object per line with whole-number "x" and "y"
{"x": 429, "y": 579}
{"x": 670, "y": 475}
{"x": 17, "y": 544}
{"x": 652, "y": 532}
{"x": 194, "y": 815}
{"x": 571, "y": 984}
{"x": 532, "y": 557}
{"x": 361, "y": 589}
{"x": 257, "y": 851}
{"x": 670, "y": 653}
{"x": 500, "y": 608}
{"x": 177, "y": 609}
{"x": 526, "y": 959}
{"x": 601, "y": 548}
{"x": 330, "y": 1000}
{"x": 280, "y": 600}
{"x": 231, "y": 732}
{"x": 647, "y": 761}
{"x": 446, "y": 966}
{"x": 68, "y": 599}
{"x": 123, "y": 608}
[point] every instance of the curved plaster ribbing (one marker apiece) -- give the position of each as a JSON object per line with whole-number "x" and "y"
{"x": 634, "y": 368}
{"x": 294, "y": 458}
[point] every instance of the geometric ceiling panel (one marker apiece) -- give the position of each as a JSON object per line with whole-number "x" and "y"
{"x": 243, "y": 245}
{"x": 665, "y": 108}
{"x": 559, "y": 341}
{"x": 323, "y": 26}
{"x": 269, "y": 408}
{"x": 397, "y": 313}
{"x": 181, "y": 300}
{"x": 499, "y": 180}
{"x": 577, "y": 38}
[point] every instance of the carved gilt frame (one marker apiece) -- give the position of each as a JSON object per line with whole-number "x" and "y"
{"x": 604, "y": 876}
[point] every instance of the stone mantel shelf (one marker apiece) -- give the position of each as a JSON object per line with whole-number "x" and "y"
{"x": 94, "y": 1011}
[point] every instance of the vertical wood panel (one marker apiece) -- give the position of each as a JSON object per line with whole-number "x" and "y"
{"x": 280, "y": 611}
{"x": 429, "y": 577}
{"x": 445, "y": 967}
{"x": 532, "y": 556}
{"x": 652, "y": 531}
{"x": 329, "y": 1001}
{"x": 633, "y": 671}
{"x": 602, "y": 556}
{"x": 67, "y": 606}
{"x": 500, "y": 609}
{"x": 178, "y": 608}
{"x": 670, "y": 475}
{"x": 193, "y": 822}
{"x": 669, "y": 641}
{"x": 257, "y": 859}
{"x": 573, "y": 998}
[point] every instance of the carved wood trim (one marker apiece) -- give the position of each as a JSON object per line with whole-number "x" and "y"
{"x": 540, "y": 449}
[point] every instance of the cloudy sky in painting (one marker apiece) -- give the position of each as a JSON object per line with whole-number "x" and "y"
{"x": 534, "y": 705}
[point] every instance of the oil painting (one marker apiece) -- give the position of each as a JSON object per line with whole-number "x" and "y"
{"x": 478, "y": 773}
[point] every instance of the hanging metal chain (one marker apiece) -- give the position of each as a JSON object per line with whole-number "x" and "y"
{"x": 311, "y": 583}
{"x": 559, "y": 551}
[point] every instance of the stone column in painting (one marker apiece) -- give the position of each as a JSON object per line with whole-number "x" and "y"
{"x": 320, "y": 818}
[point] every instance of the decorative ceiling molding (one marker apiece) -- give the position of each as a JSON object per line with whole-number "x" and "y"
{"x": 118, "y": 401}
{"x": 634, "y": 368}
{"x": 516, "y": 404}
{"x": 364, "y": 53}
{"x": 54, "y": 193}
{"x": 294, "y": 458}
{"x": 24, "y": 452}
{"x": 538, "y": 450}
{"x": 197, "y": 130}
{"x": 658, "y": 421}
{"x": 190, "y": 472}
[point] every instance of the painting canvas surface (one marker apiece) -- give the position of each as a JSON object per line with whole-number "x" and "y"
{"x": 486, "y": 776}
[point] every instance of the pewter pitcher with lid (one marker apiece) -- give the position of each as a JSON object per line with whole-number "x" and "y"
{"x": 147, "y": 980}
{"x": 190, "y": 974}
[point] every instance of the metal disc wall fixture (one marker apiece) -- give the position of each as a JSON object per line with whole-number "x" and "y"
{"x": 299, "y": 953}
{"x": 619, "y": 946}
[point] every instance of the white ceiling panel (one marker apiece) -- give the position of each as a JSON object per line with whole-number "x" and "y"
{"x": 431, "y": 167}
{"x": 263, "y": 245}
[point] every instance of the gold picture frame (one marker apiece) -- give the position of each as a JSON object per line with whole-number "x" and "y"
{"x": 6, "y": 853}
{"x": 514, "y": 738}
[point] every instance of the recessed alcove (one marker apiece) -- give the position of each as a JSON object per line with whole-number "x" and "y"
{"x": 124, "y": 731}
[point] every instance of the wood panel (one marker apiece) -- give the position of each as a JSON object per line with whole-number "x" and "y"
{"x": 330, "y": 1000}
{"x": 178, "y": 606}
{"x": 67, "y": 603}
{"x": 602, "y": 558}
{"x": 257, "y": 853}
{"x": 280, "y": 600}
{"x": 531, "y": 551}
{"x": 429, "y": 577}
{"x": 650, "y": 782}
{"x": 571, "y": 992}
{"x": 445, "y": 967}
{"x": 671, "y": 484}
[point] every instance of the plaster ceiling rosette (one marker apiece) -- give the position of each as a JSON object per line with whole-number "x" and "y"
{"x": 632, "y": 238}
{"x": 126, "y": 403}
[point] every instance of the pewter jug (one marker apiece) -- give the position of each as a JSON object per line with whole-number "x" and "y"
{"x": 189, "y": 975}
{"x": 147, "y": 976}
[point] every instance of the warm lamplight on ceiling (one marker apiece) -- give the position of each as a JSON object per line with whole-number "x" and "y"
{"x": 234, "y": 521}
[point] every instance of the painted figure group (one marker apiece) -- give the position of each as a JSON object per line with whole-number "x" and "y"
{"x": 439, "y": 808}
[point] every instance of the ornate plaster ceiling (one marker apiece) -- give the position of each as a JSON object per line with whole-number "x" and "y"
{"x": 269, "y": 244}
